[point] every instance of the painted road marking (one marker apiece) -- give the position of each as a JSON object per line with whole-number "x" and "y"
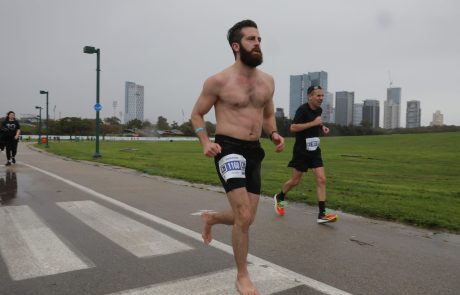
{"x": 312, "y": 283}
{"x": 199, "y": 213}
{"x": 135, "y": 237}
{"x": 267, "y": 281}
{"x": 30, "y": 249}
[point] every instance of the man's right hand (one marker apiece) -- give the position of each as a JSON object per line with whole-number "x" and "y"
{"x": 211, "y": 149}
{"x": 317, "y": 121}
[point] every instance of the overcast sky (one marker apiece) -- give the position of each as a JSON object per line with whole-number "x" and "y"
{"x": 172, "y": 46}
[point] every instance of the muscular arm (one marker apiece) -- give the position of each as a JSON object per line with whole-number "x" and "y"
{"x": 303, "y": 126}
{"x": 204, "y": 103}
{"x": 269, "y": 122}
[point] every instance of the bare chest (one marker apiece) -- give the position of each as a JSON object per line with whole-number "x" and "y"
{"x": 241, "y": 95}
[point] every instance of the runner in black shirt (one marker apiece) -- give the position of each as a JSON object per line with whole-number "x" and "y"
{"x": 307, "y": 126}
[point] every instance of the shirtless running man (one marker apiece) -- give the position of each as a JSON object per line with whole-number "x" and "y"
{"x": 242, "y": 97}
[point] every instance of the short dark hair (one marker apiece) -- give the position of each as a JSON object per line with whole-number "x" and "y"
{"x": 313, "y": 88}
{"x": 234, "y": 33}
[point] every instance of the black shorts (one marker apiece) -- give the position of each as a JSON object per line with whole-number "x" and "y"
{"x": 248, "y": 167}
{"x": 302, "y": 160}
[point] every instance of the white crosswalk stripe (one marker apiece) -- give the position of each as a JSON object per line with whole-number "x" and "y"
{"x": 30, "y": 249}
{"x": 135, "y": 237}
{"x": 266, "y": 280}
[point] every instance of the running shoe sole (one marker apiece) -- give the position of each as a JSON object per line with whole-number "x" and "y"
{"x": 327, "y": 220}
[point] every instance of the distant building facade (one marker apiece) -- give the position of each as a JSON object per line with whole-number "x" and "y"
{"x": 413, "y": 114}
{"x": 328, "y": 108}
{"x": 134, "y": 102}
{"x": 279, "y": 113}
{"x": 357, "y": 114}
{"x": 298, "y": 88}
{"x": 392, "y": 108}
{"x": 344, "y": 101}
{"x": 438, "y": 119}
{"x": 371, "y": 113}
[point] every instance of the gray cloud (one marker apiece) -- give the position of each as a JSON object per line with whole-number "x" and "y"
{"x": 170, "y": 47}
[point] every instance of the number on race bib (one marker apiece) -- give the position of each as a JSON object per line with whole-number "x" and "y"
{"x": 232, "y": 166}
{"x": 312, "y": 143}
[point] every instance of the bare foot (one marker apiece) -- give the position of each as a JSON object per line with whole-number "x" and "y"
{"x": 245, "y": 286}
{"x": 206, "y": 234}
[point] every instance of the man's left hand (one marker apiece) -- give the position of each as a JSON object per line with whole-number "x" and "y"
{"x": 278, "y": 140}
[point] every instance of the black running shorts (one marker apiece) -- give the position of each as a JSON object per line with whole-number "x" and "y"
{"x": 239, "y": 163}
{"x": 304, "y": 160}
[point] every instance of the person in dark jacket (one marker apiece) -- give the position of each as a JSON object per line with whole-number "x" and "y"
{"x": 12, "y": 131}
{"x": 2, "y": 138}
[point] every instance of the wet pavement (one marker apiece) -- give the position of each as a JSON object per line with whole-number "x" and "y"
{"x": 69, "y": 227}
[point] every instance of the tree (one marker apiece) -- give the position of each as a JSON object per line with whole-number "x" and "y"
{"x": 134, "y": 124}
{"x": 162, "y": 123}
{"x": 112, "y": 121}
{"x": 77, "y": 126}
{"x": 146, "y": 124}
{"x": 187, "y": 128}
{"x": 210, "y": 128}
{"x": 174, "y": 125}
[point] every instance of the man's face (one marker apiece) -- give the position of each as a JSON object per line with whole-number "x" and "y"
{"x": 315, "y": 99}
{"x": 250, "y": 52}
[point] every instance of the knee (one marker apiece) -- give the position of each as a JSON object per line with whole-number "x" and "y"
{"x": 295, "y": 181}
{"x": 321, "y": 181}
{"x": 243, "y": 218}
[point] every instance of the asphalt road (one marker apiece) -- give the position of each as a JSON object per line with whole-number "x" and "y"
{"x": 70, "y": 227}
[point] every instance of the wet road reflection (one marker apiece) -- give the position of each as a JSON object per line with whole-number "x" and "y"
{"x": 8, "y": 186}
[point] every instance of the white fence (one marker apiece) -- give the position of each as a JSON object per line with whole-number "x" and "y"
{"x": 107, "y": 138}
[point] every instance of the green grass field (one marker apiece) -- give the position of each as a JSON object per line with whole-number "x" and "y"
{"x": 412, "y": 178}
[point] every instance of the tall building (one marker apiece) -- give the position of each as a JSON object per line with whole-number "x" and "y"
{"x": 134, "y": 102}
{"x": 358, "y": 114}
{"x": 438, "y": 119}
{"x": 279, "y": 113}
{"x": 392, "y": 108}
{"x": 298, "y": 88}
{"x": 413, "y": 114}
{"x": 344, "y": 101}
{"x": 371, "y": 113}
{"x": 328, "y": 108}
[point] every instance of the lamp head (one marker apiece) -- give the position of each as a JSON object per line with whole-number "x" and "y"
{"x": 89, "y": 49}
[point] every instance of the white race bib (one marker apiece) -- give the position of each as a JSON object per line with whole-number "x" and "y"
{"x": 232, "y": 166}
{"x": 312, "y": 143}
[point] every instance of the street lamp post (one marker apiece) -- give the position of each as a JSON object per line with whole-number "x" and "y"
{"x": 39, "y": 124}
{"x": 47, "y": 116}
{"x": 97, "y": 106}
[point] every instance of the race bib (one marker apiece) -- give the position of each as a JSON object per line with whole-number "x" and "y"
{"x": 312, "y": 143}
{"x": 232, "y": 166}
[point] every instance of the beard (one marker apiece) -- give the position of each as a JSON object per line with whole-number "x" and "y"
{"x": 249, "y": 58}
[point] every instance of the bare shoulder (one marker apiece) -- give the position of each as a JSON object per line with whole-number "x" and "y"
{"x": 267, "y": 79}
{"x": 218, "y": 80}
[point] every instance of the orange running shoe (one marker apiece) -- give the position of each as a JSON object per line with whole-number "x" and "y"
{"x": 279, "y": 205}
{"x": 328, "y": 217}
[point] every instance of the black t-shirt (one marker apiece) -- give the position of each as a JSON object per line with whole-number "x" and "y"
{"x": 10, "y": 128}
{"x": 305, "y": 114}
